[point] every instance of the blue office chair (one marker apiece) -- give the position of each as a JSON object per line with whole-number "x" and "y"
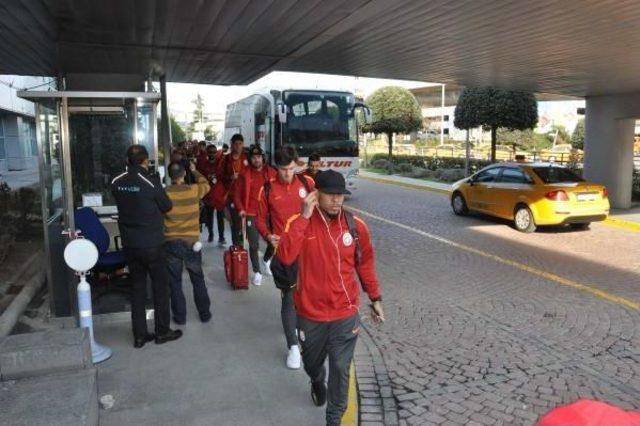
{"x": 90, "y": 227}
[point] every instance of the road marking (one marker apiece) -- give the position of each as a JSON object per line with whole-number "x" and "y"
{"x": 610, "y": 221}
{"x": 621, "y": 223}
{"x": 350, "y": 416}
{"x": 546, "y": 275}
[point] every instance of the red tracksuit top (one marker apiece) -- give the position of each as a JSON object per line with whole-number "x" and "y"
{"x": 285, "y": 201}
{"x": 208, "y": 170}
{"x": 327, "y": 289}
{"x": 248, "y": 186}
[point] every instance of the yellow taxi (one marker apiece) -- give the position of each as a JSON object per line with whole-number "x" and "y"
{"x": 531, "y": 195}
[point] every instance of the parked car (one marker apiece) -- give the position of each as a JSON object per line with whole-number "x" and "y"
{"x": 532, "y": 195}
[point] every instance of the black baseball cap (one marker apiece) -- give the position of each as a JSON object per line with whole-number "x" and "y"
{"x": 255, "y": 150}
{"x": 331, "y": 182}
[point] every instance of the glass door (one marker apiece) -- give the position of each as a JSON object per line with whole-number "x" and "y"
{"x": 54, "y": 205}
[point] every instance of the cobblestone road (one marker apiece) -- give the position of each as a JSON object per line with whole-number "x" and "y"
{"x": 470, "y": 339}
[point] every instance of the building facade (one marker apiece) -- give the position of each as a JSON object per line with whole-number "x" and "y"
{"x": 18, "y": 146}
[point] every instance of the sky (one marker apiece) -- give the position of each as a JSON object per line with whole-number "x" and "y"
{"x": 216, "y": 98}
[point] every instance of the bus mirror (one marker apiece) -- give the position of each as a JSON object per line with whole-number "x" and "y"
{"x": 367, "y": 115}
{"x": 282, "y": 113}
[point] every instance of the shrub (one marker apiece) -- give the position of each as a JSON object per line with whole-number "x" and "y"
{"x": 420, "y": 172}
{"x": 451, "y": 175}
{"x": 20, "y": 217}
{"x": 380, "y": 163}
{"x": 435, "y": 163}
{"x": 405, "y": 168}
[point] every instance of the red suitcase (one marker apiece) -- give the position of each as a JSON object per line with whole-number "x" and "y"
{"x": 236, "y": 267}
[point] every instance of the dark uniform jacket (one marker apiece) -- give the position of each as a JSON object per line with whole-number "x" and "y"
{"x": 141, "y": 202}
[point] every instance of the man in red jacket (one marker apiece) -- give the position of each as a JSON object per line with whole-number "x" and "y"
{"x": 208, "y": 170}
{"x": 331, "y": 246}
{"x": 230, "y": 168}
{"x": 246, "y": 192}
{"x": 313, "y": 165}
{"x": 279, "y": 200}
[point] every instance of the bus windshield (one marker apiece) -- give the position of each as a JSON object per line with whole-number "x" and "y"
{"x": 320, "y": 122}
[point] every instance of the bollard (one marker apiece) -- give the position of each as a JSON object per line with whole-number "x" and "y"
{"x": 81, "y": 255}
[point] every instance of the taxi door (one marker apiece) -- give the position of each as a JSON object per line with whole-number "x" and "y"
{"x": 480, "y": 190}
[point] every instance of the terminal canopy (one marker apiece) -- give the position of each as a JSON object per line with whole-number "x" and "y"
{"x": 568, "y": 48}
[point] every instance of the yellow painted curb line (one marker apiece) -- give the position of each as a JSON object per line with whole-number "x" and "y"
{"x": 407, "y": 185}
{"x": 610, "y": 221}
{"x": 621, "y": 223}
{"x": 628, "y": 303}
{"x": 350, "y": 417}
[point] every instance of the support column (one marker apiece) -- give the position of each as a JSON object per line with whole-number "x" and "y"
{"x": 165, "y": 126}
{"x": 609, "y": 131}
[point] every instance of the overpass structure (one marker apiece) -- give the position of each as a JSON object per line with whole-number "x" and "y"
{"x": 587, "y": 49}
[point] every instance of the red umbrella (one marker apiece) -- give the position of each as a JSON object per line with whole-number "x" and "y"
{"x": 590, "y": 413}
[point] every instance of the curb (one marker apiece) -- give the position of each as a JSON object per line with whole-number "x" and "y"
{"x": 621, "y": 223}
{"x": 377, "y": 404}
{"x": 350, "y": 417}
{"x": 406, "y": 185}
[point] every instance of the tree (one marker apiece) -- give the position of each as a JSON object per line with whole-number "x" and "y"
{"x": 177, "y": 133}
{"x": 495, "y": 108}
{"x": 558, "y": 135}
{"x": 527, "y": 140}
{"x": 210, "y": 134}
{"x": 198, "y": 113}
{"x": 577, "y": 138}
{"x": 199, "y": 116}
{"x": 394, "y": 110}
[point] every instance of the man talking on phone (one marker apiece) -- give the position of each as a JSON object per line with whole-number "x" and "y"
{"x": 332, "y": 246}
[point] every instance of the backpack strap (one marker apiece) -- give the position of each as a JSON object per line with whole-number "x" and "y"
{"x": 353, "y": 230}
{"x": 267, "y": 190}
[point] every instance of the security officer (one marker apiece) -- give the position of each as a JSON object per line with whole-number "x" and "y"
{"x": 332, "y": 246}
{"x": 141, "y": 202}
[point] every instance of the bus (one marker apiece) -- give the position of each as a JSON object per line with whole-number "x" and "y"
{"x": 313, "y": 121}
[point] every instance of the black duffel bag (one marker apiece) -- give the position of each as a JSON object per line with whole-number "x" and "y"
{"x": 285, "y": 277}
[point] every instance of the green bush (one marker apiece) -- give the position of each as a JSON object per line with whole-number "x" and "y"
{"x": 20, "y": 217}
{"x": 420, "y": 173}
{"x": 432, "y": 163}
{"x": 381, "y": 163}
{"x": 405, "y": 168}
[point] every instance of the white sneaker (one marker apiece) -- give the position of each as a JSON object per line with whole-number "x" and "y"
{"x": 257, "y": 278}
{"x": 294, "y": 359}
{"x": 267, "y": 267}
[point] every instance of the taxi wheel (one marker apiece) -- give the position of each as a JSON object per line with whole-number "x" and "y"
{"x": 458, "y": 204}
{"x": 523, "y": 219}
{"x": 580, "y": 226}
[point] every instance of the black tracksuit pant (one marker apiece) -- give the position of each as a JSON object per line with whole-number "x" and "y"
{"x": 337, "y": 340}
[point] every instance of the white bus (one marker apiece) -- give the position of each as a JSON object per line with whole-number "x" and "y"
{"x": 314, "y": 121}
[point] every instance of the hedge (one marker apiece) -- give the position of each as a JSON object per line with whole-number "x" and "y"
{"x": 433, "y": 163}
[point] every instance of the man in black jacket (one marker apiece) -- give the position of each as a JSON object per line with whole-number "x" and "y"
{"x": 141, "y": 202}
